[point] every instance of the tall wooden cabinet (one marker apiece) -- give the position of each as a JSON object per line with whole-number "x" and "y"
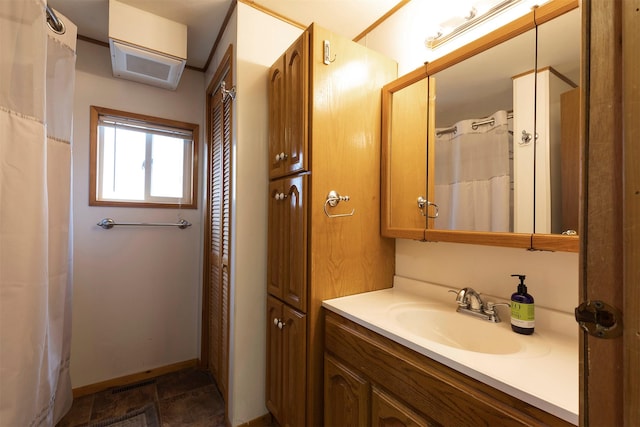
{"x": 324, "y": 135}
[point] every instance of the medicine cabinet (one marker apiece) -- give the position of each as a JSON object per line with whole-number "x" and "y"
{"x": 482, "y": 145}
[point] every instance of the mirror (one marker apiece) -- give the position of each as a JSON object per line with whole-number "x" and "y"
{"x": 558, "y": 126}
{"x": 490, "y": 84}
{"x": 475, "y": 113}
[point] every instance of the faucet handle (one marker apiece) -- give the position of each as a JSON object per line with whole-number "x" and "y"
{"x": 461, "y": 298}
{"x": 491, "y": 305}
{"x": 491, "y": 311}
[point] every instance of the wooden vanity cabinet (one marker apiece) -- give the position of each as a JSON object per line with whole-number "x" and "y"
{"x": 325, "y": 116}
{"x": 398, "y": 386}
{"x": 351, "y": 400}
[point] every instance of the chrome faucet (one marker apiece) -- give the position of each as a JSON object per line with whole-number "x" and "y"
{"x": 469, "y": 302}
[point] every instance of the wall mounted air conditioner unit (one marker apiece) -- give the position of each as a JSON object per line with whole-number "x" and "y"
{"x": 146, "y": 48}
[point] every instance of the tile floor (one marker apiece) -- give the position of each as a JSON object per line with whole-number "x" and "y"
{"x": 185, "y": 398}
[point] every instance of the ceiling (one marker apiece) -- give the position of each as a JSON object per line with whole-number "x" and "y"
{"x": 204, "y": 18}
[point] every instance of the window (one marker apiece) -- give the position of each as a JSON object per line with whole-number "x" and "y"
{"x": 142, "y": 161}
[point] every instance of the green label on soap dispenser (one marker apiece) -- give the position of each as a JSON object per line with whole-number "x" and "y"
{"x": 522, "y": 315}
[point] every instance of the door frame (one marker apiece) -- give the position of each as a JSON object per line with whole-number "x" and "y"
{"x": 631, "y": 208}
{"x": 610, "y": 231}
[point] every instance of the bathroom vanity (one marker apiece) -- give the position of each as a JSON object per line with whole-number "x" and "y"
{"x": 382, "y": 367}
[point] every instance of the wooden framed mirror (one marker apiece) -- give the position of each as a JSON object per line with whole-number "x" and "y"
{"x": 475, "y": 88}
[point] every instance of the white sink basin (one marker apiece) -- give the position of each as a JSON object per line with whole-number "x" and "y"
{"x": 445, "y": 326}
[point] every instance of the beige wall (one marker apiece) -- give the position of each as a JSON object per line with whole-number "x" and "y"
{"x": 136, "y": 291}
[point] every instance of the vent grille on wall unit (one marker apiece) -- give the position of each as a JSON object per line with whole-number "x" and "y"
{"x": 145, "y": 66}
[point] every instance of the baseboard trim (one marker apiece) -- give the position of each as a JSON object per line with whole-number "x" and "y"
{"x": 263, "y": 421}
{"x": 134, "y": 378}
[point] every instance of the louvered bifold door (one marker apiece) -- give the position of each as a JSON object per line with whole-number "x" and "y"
{"x": 227, "y": 104}
{"x": 215, "y": 244}
{"x": 220, "y": 232}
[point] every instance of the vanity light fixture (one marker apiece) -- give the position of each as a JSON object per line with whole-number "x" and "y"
{"x": 471, "y": 20}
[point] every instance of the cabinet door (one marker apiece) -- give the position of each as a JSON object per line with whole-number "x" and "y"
{"x": 404, "y": 157}
{"x": 346, "y": 396}
{"x": 288, "y": 110}
{"x": 294, "y": 367}
{"x": 295, "y": 291}
{"x": 277, "y": 118}
{"x": 297, "y": 105}
{"x": 389, "y": 412}
{"x": 274, "y": 357}
{"x": 277, "y": 258}
{"x": 287, "y": 251}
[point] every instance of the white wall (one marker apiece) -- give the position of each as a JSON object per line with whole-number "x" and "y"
{"x": 402, "y": 36}
{"x": 136, "y": 293}
{"x": 255, "y": 50}
{"x": 552, "y": 278}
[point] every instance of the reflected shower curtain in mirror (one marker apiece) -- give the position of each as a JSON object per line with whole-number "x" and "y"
{"x": 37, "y": 73}
{"x": 473, "y": 175}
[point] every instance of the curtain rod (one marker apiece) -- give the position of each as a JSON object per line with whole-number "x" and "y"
{"x": 54, "y": 23}
{"x": 488, "y": 121}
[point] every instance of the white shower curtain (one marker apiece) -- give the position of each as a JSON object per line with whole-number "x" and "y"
{"x": 473, "y": 176}
{"x": 37, "y": 72}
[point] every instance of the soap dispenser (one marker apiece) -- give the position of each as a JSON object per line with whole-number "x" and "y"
{"x": 522, "y": 309}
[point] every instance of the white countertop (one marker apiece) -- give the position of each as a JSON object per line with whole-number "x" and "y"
{"x": 546, "y": 378}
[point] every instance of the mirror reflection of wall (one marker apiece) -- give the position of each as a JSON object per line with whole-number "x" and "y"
{"x": 557, "y": 125}
{"x": 474, "y": 114}
{"x": 544, "y": 188}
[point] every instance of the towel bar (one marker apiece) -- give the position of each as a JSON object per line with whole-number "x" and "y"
{"x": 108, "y": 223}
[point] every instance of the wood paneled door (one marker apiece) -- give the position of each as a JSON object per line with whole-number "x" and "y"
{"x": 346, "y": 395}
{"x": 216, "y": 280}
{"x": 287, "y": 256}
{"x": 286, "y": 370}
{"x": 288, "y": 110}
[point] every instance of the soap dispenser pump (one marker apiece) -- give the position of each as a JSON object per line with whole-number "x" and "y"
{"x": 522, "y": 309}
